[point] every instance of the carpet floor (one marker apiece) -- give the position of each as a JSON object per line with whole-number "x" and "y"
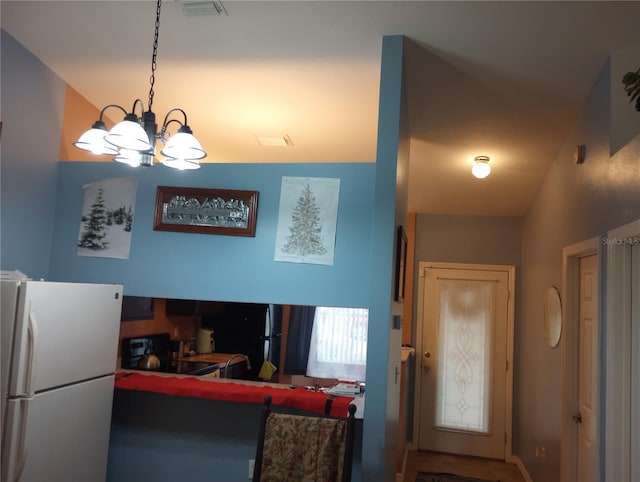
{"x": 441, "y": 463}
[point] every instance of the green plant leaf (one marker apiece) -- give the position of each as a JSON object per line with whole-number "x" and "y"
{"x": 631, "y": 81}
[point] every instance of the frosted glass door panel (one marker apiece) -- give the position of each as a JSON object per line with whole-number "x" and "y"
{"x": 465, "y": 329}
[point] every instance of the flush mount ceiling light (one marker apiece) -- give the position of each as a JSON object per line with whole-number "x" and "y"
{"x": 133, "y": 141}
{"x": 481, "y": 168}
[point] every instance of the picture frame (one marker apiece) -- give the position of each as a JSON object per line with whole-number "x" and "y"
{"x": 206, "y": 211}
{"x": 401, "y": 262}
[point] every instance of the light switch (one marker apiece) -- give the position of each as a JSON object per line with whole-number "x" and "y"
{"x": 397, "y": 322}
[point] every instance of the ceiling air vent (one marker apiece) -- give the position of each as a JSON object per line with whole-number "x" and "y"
{"x": 203, "y": 7}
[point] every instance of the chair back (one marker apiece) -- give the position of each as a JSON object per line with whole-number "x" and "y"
{"x": 304, "y": 448}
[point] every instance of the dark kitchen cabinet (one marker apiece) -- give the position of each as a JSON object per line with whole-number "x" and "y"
{"x": 136, "y": 308}
{"x": 193, "y": 307}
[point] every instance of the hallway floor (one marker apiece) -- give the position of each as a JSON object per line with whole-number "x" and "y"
{"x": 461, "y": 465}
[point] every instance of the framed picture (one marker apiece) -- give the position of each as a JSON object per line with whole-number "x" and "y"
{"x": 206, "y": 211}
{"x": 401, "y": 261}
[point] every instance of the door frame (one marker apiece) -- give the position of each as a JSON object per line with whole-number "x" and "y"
{"x": 620, "y": 357}
{"x": 570, "y": 349}
{"x": 511, "y": 270}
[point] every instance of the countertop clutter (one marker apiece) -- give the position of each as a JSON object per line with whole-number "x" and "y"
{"x": 239, "y": 391}
{"x": 137, "y": 351}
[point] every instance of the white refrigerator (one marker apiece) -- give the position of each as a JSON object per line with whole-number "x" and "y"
{"x": 59, "y": 345}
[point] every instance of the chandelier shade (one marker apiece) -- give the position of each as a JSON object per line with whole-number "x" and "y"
{"x": 181, "y": 164}
{"x": 130, "y": 135}
{"x": 94, "y": 141}
{"x": 183, "y": 145}
{"x": 133, "y": 141}
{"x": 128, "y": 156}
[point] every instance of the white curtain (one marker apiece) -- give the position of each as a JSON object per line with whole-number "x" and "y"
{"x": 465, "y": 335}
{"x": 339, "y": 343}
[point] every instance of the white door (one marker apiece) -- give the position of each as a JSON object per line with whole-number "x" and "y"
{"x": 61, "y": 435}
{"x": 588, "y": 370}
{"x": 464, "y": 361}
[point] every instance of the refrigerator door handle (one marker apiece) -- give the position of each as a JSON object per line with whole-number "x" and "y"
{"x": 33, "y": 350}
{"x": 25, "y": 385}
{"x": 22, "y": 452}
{"x": 14, "y": 459}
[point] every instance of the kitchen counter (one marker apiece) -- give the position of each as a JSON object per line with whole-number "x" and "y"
{"x": 238, "y": 391}
{"x": 167, "y": 437}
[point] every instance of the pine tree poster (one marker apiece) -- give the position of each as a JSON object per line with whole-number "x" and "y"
{"x": 107, "y": 218}
{"x": 307, "y": 220}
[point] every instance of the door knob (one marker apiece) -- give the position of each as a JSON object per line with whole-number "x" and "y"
{"x": 427, "y": 368}
{"x": 577, "y": 418}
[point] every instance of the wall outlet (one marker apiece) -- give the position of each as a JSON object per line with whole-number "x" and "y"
{"x": 251, "y": 464}
{"x": 541, "y": 452}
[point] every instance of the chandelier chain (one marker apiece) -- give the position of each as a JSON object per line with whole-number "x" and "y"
{"x": 152, "y": 80}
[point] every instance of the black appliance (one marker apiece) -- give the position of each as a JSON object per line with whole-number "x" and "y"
{"x": 253, "y": 329}
{"x": 133, "y": 349}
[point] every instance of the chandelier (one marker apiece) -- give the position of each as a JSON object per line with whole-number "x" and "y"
{"x": 133, "y": 141}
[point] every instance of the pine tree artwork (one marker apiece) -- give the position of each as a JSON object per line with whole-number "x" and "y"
{"x": 307, "y": 220}
{"x": 305, "y": 230}
{"x": 129, "y": 224}
{"x": 94, "y": 231}
{"x": 106, "y": 223}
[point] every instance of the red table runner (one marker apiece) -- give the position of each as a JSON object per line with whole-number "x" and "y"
{"x": 299, "y": 397}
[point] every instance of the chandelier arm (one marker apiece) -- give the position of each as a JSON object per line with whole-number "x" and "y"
{"x": 166, "y": 121}
{"x": 111, "y": 105}
{"x": 165, "y": 126}
{"x": 133, "y": 107}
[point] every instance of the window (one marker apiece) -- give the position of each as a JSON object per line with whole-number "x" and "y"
{"x": 339, "y": 343}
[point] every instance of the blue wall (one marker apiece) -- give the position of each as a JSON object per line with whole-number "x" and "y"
{"x": 32, "y": 110}
{"x": 214, "y": 267}
{"x": 41, "y": 210}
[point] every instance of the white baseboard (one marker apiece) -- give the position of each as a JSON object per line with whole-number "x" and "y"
{"x": 523, "y": 470}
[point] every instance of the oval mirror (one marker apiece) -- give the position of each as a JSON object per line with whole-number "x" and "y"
{"x": 552, "y": 317}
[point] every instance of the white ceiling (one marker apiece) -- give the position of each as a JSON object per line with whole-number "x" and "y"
{"x": 504, "y": 79}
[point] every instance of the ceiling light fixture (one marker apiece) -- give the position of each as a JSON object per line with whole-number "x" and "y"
{"x": 133, "y": 141}
{"x": 481, "y": 168}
